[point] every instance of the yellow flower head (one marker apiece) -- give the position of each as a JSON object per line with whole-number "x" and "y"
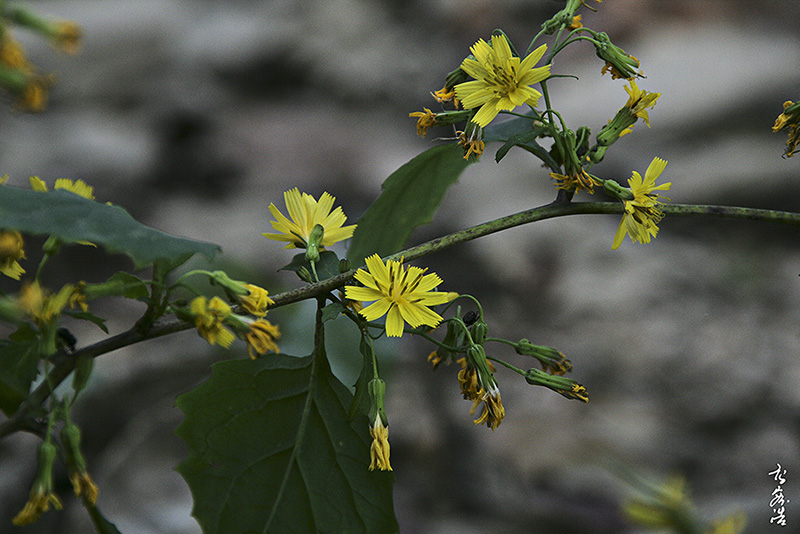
{"x": 400, "y": 294}
{"x": 379, "y": 450}
{"x": 493, "y": 410}
{"x": 257, "y": 301}
{"x": 11, "y": 251}
{"x": 209, "y": 316}
{"x": 84, "y": 487}
{"x": 642, "y": 214}
{"x": 79, "y": 187}
{"x": 446, "y": 94}
{"x": 639, "y": 101}
{"x": 42, "y": 306}
{"x": 37, "y": 504}
{"x": 425, "y": 120}
{"x": 472, "y": 144}
{"x": 575, "y": 182}
{"x": 789, "y": 120}
{"x": 306, "y": 213}
{"x": 502, "y": 82}
{"x": 261, "y": 338}
{"x": 66, "y": 36}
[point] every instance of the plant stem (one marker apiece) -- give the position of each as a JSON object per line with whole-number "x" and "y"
{"x": 65, "y": 365}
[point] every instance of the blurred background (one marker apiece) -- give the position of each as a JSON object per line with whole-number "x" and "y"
{"x": 195, "y": 115}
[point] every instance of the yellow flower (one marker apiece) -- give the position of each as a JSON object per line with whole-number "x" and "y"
{"x": 11, "y": 252}
{"x": 41, "y": 306}
{"x": 789, "y": 120}
{"x": 446, "y": 94}
{"x": 493, "y": 410}
{"x": 84, "y": 487}
{"x": 37, "y": 504}
{"x": 66, "y": 35}
{"x": 305, "y": 213}
{"x": 425, "y": 119}
{"x": 78, "y": 297}
{"x": 580, "y": 180}
{"x": 257, "y": 301}
{"x": 379, "y": 450}
{"x": 79, "y": 187}
{"x": 261, "y": 338}
{"x": 400, "y": 294}
{"x": 502, "y": 81}
{"x": 639, "y": 101}
{"x": 642, "y": 214}
{"x": 472, "y": 145}
{"x": 209, "y": 316}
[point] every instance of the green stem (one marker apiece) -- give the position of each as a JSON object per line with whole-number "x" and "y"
{"x": 555, "y": 209}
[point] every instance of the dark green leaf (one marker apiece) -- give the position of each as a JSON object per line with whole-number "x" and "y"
{"x": 19, "y": 366}
{"x": 129, "y": 286}
{"x": 72, "y": 218}
{"x": 327, "y": 265}
{"x": 270, "y": 450}
{"x": 331, "y": 311}
{"x": 502, "y": 131}
{"x": 410, "y": 197}
{"x": 86, "y": 316}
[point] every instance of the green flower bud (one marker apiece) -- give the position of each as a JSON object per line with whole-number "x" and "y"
{"x": 377, "y": 392}
{"x": 566, "y": 387}
{"x": 314, "y": 243}
{"x": 620, "y": 64}
{"x": 305, "y": 275}
{"x": 478, "y": 331}
{"x": 551, "y": 359}
{"x": 344, "y": 265}
{"x": 51, "y": 246}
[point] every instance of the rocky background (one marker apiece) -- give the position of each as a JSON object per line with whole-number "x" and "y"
{"x": 195, "y": 115}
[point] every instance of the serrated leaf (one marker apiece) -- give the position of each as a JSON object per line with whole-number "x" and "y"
{"x": 19, "y": 366}
{"x": 327, "y": 265}
{"x": 270, "y": 450}
{"x": 410, "y": 197}
{"x": 72, "y": 218}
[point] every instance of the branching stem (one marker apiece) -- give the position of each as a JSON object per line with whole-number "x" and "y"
{"x": 66, "y": 364}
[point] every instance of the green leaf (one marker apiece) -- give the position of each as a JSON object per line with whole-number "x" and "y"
{"x": 19, "y": 366}
{"x": 87, "y": 316}
{"x": 327, "y": 265}
{"x": 501, "y": 131}
{"x": 410, "y": 197}
{"x": 72, "y": 218}
{"x": 127, "y": 285}
{"x": 331, "y": 311}
{"x": 270, "y": 450}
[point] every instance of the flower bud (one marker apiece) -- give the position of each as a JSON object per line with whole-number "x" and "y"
{"x": 566, "y": 387}
{"x": 620, "y": 64}
{"x": 314, "y": 242}
{"x": 478, "y": 331}
{"x": 552, "y": 360}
